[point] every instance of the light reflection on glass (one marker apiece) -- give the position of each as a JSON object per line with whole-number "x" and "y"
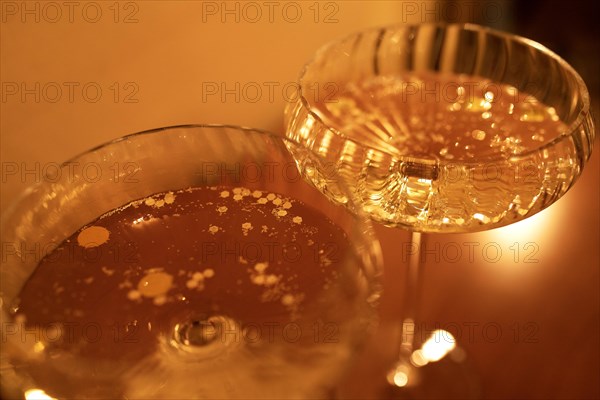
{"x": 37, "y": 394}
{"x": 38, "y": 347}
{"x": 418, "y": 359}
{"x": 522, "y": 231}
{"x": 306, "y": 129}
{"x": 436, "y": 347}
{"x": 521, "y": 243}
{"x": 143, "y": 221}
{"x": 399, "y": 375}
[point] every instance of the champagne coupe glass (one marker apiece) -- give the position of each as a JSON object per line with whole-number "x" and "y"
{"x": 443, "y": 128}
{"x": 184, "y": 262}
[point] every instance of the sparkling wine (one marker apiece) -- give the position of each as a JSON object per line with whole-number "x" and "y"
{"x": 194, "y": 293}
{"x": 441, "y": 152}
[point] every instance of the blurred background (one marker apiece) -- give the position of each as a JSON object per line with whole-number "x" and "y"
{"x": 77, "y": 75}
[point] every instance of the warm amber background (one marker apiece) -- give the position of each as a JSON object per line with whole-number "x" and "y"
{"x": 169, "y": 53}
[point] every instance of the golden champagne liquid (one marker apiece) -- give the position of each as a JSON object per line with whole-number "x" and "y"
{"x": 440, "y": 153}
{"x": 220, "y": 292}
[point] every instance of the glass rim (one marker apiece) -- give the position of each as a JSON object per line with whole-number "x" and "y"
{"x": 13, "y": 204}
{"x": 581, "y": 118}
{"x": 128, "y": 136}
{"x": 171, "y": 127}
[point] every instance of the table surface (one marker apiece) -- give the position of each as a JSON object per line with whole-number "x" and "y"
{"x": 155, "y": 64}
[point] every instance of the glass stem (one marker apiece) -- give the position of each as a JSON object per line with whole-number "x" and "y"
{"x": 412, "y": 294}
